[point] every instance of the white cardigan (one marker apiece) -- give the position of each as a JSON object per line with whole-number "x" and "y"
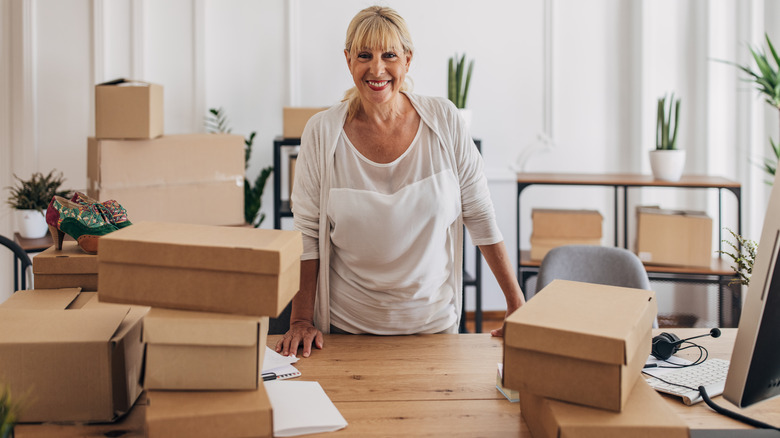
{"x": 313, "y": 174}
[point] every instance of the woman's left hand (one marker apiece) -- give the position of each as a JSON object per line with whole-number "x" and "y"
{"x": 513, "y": 302}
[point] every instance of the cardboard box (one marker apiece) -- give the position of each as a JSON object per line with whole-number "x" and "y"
{"x": 646, "y": 414}
{"x": 674, "y": 237}
{"x": 237, "y": 270}
{"x": 193, "y": 178}
{"x": 295, "y": 119}
{"x": 194, "y": 414}
{"x": 69, "y": 267}
{"x": 580, "y": 342}
{"x": 128, "y": 109}
{"x": 540, "y": 246}
{"x": 565, "y": 224}
{"x": 69, "y": 357}
{"x": 201, "y": 351}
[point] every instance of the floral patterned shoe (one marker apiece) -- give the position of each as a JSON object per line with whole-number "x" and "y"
{"x": 78, "y": 221}
{"x": 112, "y": 211}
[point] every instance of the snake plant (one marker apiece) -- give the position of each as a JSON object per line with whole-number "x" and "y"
{"x": 457, "y": 88}
{"x": 665, "y": 135}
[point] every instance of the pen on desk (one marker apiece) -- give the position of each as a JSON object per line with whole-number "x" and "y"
{"x": 269, "y": 376}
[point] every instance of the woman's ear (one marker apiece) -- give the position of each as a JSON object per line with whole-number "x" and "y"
{"x": 349, "y": 59}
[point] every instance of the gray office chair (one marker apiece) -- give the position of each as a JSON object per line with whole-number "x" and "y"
{"x": 593, "y": 264}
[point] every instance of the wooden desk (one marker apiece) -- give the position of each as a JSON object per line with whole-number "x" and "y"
{"x": 441, "y": 385}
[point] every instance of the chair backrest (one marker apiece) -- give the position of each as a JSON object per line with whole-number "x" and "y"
{"x": 20, "y": 255}
{"x": 594, "y": 264}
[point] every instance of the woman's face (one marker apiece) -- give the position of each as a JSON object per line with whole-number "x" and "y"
{"x": 378, "y": 73}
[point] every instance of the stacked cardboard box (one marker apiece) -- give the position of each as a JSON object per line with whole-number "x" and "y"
{"x": 69, "y": 267}
{"x": 558, "y": 227}
{"x": 674, "y": 237}
{"x": 69, "y": 357}
{"x": 212, "y": 290}
{"x": 583, "y": 345}
{"x": 196, "y": 178}
{"x": 294, "y": 119}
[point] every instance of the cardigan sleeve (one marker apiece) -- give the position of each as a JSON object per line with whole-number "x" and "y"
{"x": 306, "y": 189}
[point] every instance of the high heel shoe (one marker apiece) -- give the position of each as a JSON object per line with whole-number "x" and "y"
{"x": 77, "y": 221}
{"x": 112, "y": 211}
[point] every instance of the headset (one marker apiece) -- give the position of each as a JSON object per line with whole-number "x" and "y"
{"x": 666, "y": 344}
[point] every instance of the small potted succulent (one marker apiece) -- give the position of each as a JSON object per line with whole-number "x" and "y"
{"x": 667, "y": 161}
{"x": 458, "y": 87}
{"x": 31, "y": 197}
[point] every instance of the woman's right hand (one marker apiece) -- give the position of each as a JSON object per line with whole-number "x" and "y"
{"x": 303, "y": 334}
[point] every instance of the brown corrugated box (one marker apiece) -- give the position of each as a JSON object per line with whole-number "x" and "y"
{"x": 674, "y": 237}
{"x": 203, "y": 351}
{"x": 69, "y": 357}
{"x": 238, "y": 270}
{"x": 69, "y": 267}
{"x": 128, "y": 109}
{"x": 295, "y": 119}
{"x": 646, "y": 414}
{"x": 540, "y": 246}
{"x": 191, "y": 178}
{"x": 580, "y": 342}
{"x": 558, "y": 227}
{"x": 194, "y": 414}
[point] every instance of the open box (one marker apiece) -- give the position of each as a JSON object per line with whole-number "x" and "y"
{"x": 70, "y": 358}
{"x": 200, "y": 351}
{"x": 580, "y": 342}
{"x": 237, "y": 270}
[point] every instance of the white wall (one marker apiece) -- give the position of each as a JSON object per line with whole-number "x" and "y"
{"x": 586, "y": 74}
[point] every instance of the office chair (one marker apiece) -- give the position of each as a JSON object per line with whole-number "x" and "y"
{"x": 606, "y": 265}
{"x": 20, "y": 255}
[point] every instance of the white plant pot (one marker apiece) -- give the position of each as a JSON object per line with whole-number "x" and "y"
{"x": 466, "y": 115}
{"x": 32, "y": 224}
{"x": 667, "y": 165}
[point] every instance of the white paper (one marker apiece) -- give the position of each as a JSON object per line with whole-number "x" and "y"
{"x": 663, "y": 367}
{"x": 301, "y": 408}
{"x": 272, "y": 359}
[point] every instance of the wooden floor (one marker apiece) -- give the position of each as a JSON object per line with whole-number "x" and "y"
{"x": 491, "y": 320}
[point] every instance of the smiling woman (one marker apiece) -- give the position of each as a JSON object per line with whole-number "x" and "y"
{"x": 384, "y": 183}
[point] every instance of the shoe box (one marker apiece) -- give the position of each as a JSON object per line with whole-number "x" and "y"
{"x": 645, "y": 415}
{"x": 674, "y": 237}
{"x": 580, "y": 342}
{"x": 128, "y": 109}
{"x": 557, "y": 227}
{"x": 188, "y": 178}
{"x": 294, "y": 119}
{"x": 188, "y": 350}
{"x": 69, "y": 358}
{"x": 235, "y": 270}
{"x": 65, "y": 268}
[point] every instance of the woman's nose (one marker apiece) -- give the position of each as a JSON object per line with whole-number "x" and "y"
{"x": 377, "y": 66}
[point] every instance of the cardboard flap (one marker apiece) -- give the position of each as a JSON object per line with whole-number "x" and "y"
{"x": 48, "y": 326}
{"x": 180, "y": 327}
{"x": 583, "y": 320}
{"x": 122, "y": 82}
{"x": 44, "y": 299}
{"x": 236, "y": 249}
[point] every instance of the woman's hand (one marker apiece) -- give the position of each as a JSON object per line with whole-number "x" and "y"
{"x": 303, "y": 334}
{"x": 513, "y": 302}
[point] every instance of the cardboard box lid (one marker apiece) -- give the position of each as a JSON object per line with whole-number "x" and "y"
{"x": 45, "y": 299}
{"x": 216, "y": 248}
{"x": 182, "y": 327}
{"x": 70, "y": 260}
{"x": 122, "y": 82}
{"x": 654, "y": 209}
{"x": 116, "y": 164}
{"x": 583, "y": 320}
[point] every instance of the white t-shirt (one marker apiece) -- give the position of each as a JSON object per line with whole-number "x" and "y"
{"x": 390, "y": 260}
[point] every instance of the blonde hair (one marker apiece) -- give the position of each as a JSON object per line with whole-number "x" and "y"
{"x": 375, "y": 27}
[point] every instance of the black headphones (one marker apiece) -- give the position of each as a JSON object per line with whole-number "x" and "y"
{"x": 666, "y": 344}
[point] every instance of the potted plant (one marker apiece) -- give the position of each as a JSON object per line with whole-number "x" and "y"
{"x": 457, "y": 87}
{"x": 9, "y": 413}
{"x": 31, "y": 197}
{"x": 216, "y": 122}
{"x": 666, "y": 160}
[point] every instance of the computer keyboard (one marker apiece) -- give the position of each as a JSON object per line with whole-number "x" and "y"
{"x": 711, "y": 374}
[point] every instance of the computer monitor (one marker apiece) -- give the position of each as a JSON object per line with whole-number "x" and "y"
{"x": 754, "y": 372}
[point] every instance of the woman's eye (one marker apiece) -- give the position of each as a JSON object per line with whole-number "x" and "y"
{"x": 390, "y": 55}
{"x": 364, "y": 55}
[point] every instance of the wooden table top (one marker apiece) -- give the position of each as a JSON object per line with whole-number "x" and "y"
{"x": 424, "y": 385}
{"x": 625, "y": 179}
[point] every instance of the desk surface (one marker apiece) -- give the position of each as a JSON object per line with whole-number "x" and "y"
{"x": 426, "y": 385}
{"x": 624, "y": 179}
